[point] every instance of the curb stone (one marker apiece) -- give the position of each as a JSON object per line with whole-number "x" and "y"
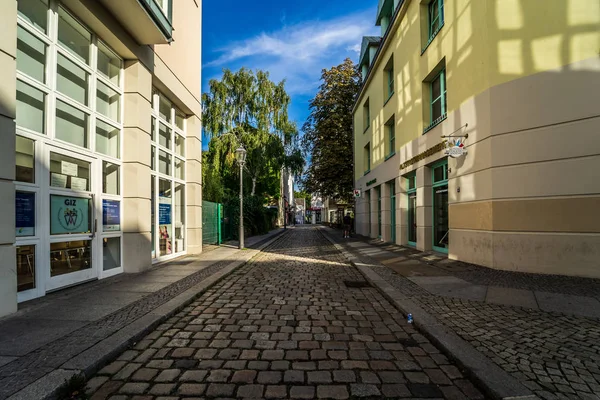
{"x": 494, "y": 380}
{"x": 93, "y": 359}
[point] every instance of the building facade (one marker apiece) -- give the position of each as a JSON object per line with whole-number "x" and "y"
{"x": 100, "y": 169}
{"x": 476, "y": 132}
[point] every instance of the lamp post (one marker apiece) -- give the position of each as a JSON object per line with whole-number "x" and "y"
{"x": 240, "y": 155}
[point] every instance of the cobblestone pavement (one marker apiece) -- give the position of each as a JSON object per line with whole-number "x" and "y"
{"x": 556, "y": 356}
{"x": 285, "y": 326}
{"x": 479, "y": 275}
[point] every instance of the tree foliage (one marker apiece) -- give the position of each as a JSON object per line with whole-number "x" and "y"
{"x": 328, "y": 133}
{"x": 248, "y": 109}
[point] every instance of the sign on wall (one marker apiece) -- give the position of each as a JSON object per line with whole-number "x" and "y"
{"x": 356, "y": 192}
{"x": 69, "y": 215}
{"x": 25, "y": 213}
{"x": 111, "y": 215}
{"x": 455, "y": 148}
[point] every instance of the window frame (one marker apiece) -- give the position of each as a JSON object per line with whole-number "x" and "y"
{"x": 366, "y": 115}
{"x": 367, "y": 149}
{"x": 438, "y": 21}
{"x": 442, "y": 97}
{"x": 389, "y": 76}
{"x": 390, "y": 136}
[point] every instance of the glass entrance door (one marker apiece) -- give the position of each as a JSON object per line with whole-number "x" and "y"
{"x": 412, "y": 219}
{"x": 440, "y": 207}
{"x": 393, "y": 211}
{"x": 72, "y": 252}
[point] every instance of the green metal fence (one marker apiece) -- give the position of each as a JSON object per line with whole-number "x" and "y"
{"x": 211, "y": 222}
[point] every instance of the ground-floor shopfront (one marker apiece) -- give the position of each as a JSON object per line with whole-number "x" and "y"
{"x": 100, "y": 157}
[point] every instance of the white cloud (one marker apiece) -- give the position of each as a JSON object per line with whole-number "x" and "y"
{"x": 299, "y": 52}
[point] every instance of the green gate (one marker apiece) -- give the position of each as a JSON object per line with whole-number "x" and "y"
{"x": 211, "y": 222}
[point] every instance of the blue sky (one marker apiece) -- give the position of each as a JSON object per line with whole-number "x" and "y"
{"x": 293, "y": 40}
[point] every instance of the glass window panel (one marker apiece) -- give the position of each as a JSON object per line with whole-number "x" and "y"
{"x": 179, "y": 217}
{"x": 164, "y": 136}
{"x": 438, "y": 174}
{"x": 24, "y": 214}
{"x": 164, "y": 108}
{"x": 111, "y": 253}
{"x": 34, "y": 11}
{"x": 165, "y": 216}
{"x": 435, "y": 88}
{"x": 68, "y": 172}
{"x": 31, "y": 55}
{"x": 436, "y": 110}
{"x": 71, "y": 124}
{"x": 179, "y": 119}
{"x": 74, "y": 36}
{"x": 107, "y": 139}
{"x": 108, "y": 102}
{"x": 25, "y": 160}
{"x": 164, "y": 163}
{"x": 152, "y": 129}
{"x": 109, "y": 64}
{"x": 72, "y": 80}
{"x": 153, "y": 158}
{"x": 31, "y": 108}
{"x": 179, "y": 145}
{"x": 110, "y": 178}
{"x": 68, "y": 257}
{"x": 179, "y": 168}
{"x": 25, "y": 268}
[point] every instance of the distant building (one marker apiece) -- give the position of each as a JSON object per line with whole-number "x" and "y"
{"x": 476, "y": 132}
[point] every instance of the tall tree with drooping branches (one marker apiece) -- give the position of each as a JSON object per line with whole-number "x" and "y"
{"x": 247, "y": 108}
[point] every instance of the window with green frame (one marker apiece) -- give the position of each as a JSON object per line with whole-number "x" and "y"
{"x": 367, "y": 158}
{"x": 389, "y": 75}
{"x": 366, "y": 115}
{"x": 390, "y": 127}
{"x": 436, "y": 16}
{"x": 438, "y": 97}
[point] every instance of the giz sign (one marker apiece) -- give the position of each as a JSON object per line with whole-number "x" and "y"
{"x": 69, "y": 215}
{"x": 455, "y": 148}
{"x": 356, "y": 192}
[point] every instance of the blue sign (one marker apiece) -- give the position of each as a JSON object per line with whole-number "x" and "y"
{"x": 69, "y": 215}
{"x": 164, "y": 214}
{"x": 111, "y": 215}
{"x": 25, "y": 213}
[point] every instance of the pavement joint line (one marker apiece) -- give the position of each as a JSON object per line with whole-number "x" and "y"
{"x": 493, "y": 379}
{"x": 97, "y": 356}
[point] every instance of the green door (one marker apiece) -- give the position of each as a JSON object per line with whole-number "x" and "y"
{"x": 393, "y": 210}
{"x": 412, "y": 210}
{"x": 440, "y": 207}
{"x": 379, "y": 212}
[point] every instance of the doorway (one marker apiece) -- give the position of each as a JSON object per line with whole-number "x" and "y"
{"x": 440, "y": 206}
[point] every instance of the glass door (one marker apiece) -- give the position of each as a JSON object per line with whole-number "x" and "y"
{"x": 379, "y": 212}
{"x": 412, "y": 210}
{"x": 393, "y": 210}
{"x": 440, "y": 207}
{"x": 72, "y": 252}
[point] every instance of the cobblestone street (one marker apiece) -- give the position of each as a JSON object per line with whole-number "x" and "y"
{"x": 555, "y": 355}
{"x": 285, "y": 326}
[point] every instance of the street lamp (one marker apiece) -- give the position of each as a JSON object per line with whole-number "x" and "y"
{"x": 240, "y": 155}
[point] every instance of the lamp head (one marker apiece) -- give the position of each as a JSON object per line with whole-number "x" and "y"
{"x": 240, "y": 155}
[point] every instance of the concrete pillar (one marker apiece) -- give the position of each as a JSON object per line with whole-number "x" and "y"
{"x": 374, "y": 214}
{"x": 137, "y": 240}
{"x": 386, "y": 220}
{"x": 8, "y": 98}
{"x": 401, "y": 211}
{"x": 193, "y": 176}
{"x": 362, "y": 214}
{"x": 424, "y": 209}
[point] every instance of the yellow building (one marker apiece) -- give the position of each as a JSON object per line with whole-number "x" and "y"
{"x": 477, "y": 132}
{"x": 100, "y": 140}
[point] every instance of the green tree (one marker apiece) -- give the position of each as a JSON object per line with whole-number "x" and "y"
{"x": 248, "y": 109}
{"x": 328, "y": 133}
